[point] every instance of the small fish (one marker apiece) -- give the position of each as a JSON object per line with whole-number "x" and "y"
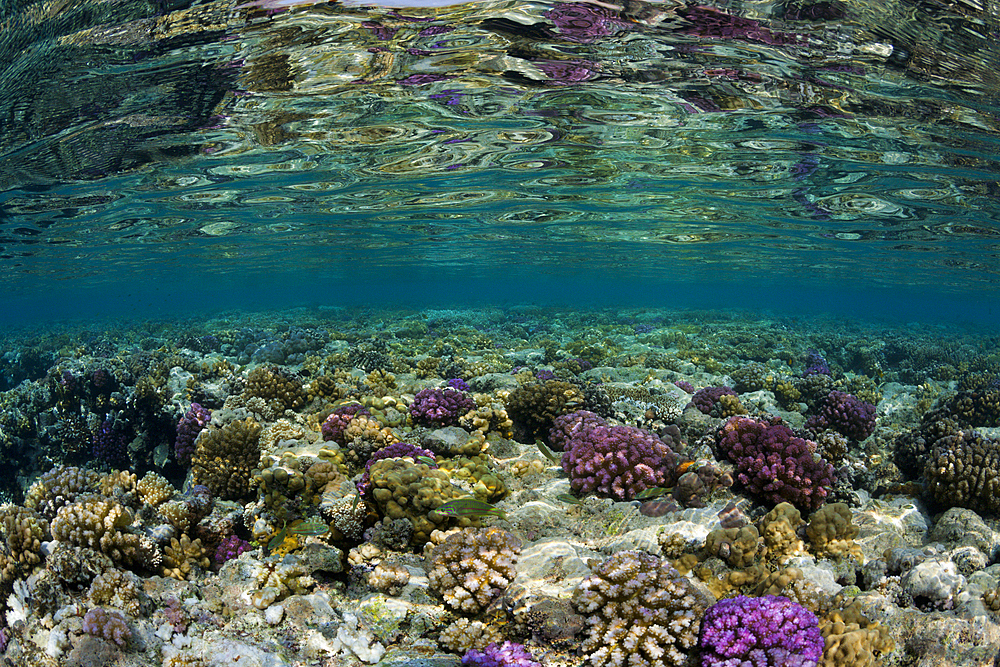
{"x": 310, "y": 527}
{"x": 425, "y": 459}
{"x": 546, "y": 452}
{"x": 276, "y": 541}
{"x": 653, "y": 492}
{"x": 569, "y": 498}
{"x": 469, "y": 507}
{"x": 354, "y": 503}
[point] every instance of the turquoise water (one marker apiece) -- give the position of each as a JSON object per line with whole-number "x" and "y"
{"x": 837, "y": 157}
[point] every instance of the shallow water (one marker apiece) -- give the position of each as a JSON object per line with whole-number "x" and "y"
{"x": 806, "y": 156}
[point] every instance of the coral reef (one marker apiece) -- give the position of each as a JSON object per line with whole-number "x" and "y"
{"x": 335, "y": 424}
{"x": 533, "y": 407}
{"x": 188, "y": 427}
{"x": 845, "y": 414}
{"x": 225, "y": 458}
{"x": 508, "y": 654}
{"x": 440, "y": 407}
{"x": 402, "y": 489}
{"x": 103, "y": 525}
{"x": 963, "y": 470}
{"x": 110, "y": 625}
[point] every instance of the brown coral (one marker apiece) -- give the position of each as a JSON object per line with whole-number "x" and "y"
{"x": 225, "y": 458}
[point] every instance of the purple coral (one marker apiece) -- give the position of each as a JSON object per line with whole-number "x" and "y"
{"x": 111, "y": 442}
{"x": 706, "y": 398}
{"x": 508, "y": 654}
{"x": 333, "y": 427}
{"x": 815, "y": 364}
{"x": 846, "y": 414}
{"x": 190, "y": 425}
{"x": 566, "y": 427}
{"x": 394, "y": 451}
{"x": 229, "y": 548}
{"x": 769, "y": 631}
{"x": 617, "y": 461}
{"x": 440, "y": 407}
{"x": 458, "y": 384}
{"x": 773, "y": 463}
{"x": 109, "y": 625}
{"x": 684, "y": 385}
{"x": 582, "y": 23}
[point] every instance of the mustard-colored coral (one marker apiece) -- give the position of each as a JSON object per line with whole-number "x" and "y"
{"x": 831, "y": 533}
{"x": 464, "y": 634}
{"x": 281, "y": 389}
{"x": 122, "y": 590}
{"x": 852, "y": 640}
{"x": 102, "y": 524}
{"x": 403, "y": 489}
{"x": 224, "y": 458}
{"x": 154, "y": 489}
{"x": 116, "y": 483}
{"x": 739, "y": 547}
{"x": 60, "y": 486}
{"x": 779, "y": 529}
{"x": 182, "y": 556}
{"x": 476, "y": 471}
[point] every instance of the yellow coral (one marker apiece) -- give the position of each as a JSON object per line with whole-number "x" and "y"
{"x": 831, "y": 533}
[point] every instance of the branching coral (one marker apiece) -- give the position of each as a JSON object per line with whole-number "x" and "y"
{"x": 640, "y": 613}
{"x": 617, "y": 461}
{"x": 769, "y": 631}
{"x": 773, "y": 463}
{"x": 225, "y": 458}
{"x": 473, "y": 566}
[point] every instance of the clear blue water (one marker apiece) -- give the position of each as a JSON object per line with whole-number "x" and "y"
{"x": 830, "y": 157}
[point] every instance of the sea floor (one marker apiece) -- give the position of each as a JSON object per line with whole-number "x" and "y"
{"x": 112, "y": 555}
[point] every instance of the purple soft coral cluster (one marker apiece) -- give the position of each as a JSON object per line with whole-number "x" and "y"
{"x": 188, "y": 428}
{"x": 684, "y": 385}
{"x": 617, "y": 461}
{"x": 769, "y": 631}
{"x": 440, "y": 407}
{"x": 333, "y": 426}
{"x": 394, "y": 451}
{"x": 508, "y": 654}
{"x": 583, "y": 23}
{"x": 713, "y": 23}
{"x": 229, "y": 548}
{"x": 706, "y": 398}
{"x": 771, "y": 462}
{"x": 846, "y": 414}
